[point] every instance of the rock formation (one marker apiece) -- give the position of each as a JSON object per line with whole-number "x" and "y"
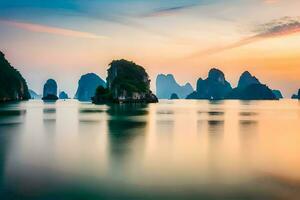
{"x": 278, "y": 94}
{"x": 174, "y": 96}
{"x": 50, "y": 90}
{"x": 252, "y": 92}
{"x": 250, "y": 88}
{"x": 127, "y": 82}
{"x": 166, "y": 85}
{"x": 296, "y": 96}
{"x": 247, "y": 79}
{"x": 34, "y": 95}
{"x": 87, "y": 86}
{"x": 215, "y": 87}
{"x": 12, "y": 85}
{"x": 63, "y": 95}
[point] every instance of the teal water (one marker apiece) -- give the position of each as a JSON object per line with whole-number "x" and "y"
{"x": 180, "y": 149}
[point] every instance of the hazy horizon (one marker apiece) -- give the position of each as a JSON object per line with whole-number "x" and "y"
{"x": 66, "y": 39}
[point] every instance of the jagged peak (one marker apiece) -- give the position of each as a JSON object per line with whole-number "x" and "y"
{"x": 246, "y": 79}
{"x": 215, "y": 73}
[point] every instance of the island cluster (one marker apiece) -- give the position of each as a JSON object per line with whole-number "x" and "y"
{"x": 128, "y": 82}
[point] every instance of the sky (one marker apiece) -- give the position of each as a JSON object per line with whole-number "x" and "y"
{"x": 64, "y": 39}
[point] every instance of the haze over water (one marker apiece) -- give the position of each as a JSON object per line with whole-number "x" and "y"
{"x": 170, "y": 150}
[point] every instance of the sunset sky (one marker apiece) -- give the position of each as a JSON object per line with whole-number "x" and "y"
{"x": 63, "y": 39}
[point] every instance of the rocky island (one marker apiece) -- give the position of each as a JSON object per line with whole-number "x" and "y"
{"x": 250, "y": 88}
{"x": 63, "y": 95}
{"x": 13, "y": 86}
{"x": 166, "y": 85}
{"x": 87, "y": 86}
{"x": 296, "y": 96}
{"x": 174, "y": 96}
{"x": 34, "y": 95}
{"x": 214, "y": 87}
{"x": 50, "y": 90}
{"x": 127, "y": 82}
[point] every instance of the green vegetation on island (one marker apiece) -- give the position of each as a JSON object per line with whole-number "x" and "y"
{"x": 13, "y": 86}
{"x": 127, "y": 82}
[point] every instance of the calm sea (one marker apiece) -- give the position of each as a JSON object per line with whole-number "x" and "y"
{"x": 183, "y": 149}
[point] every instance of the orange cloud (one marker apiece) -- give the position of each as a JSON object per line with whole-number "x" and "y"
{"x": 51, "y": 30}
{"x": 276, "y": 28}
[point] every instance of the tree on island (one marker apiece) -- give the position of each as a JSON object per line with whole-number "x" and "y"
{"x": 126, "y": 82}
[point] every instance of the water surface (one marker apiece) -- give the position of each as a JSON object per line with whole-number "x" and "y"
{"x": 180, "y": 149}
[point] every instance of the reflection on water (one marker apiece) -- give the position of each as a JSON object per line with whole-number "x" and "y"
{"x": 170, "y": 150}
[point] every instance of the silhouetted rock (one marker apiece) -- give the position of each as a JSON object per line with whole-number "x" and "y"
{"x": 277, "y": 93}
{"x": 63, "y": 95}
{"x": 127, "y": 82}
{"x": 250, "y": 88}
{"x": 214, "y": 87}
{"x": 50, "y": 90}
{"x": 12, "y": 85}
{"x": 87, "y": 86}
{"x": 252, "y": 92}
{"x": 34, "y": 95}
{"x": 247, "y": 79}
{"x": 174, "y": 96}
{"x": 296, "y": 96}
{"x": 166, "y": 85}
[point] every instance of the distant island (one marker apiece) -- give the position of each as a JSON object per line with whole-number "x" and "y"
{"x": 13, "y": 86}
{"x": 296, "y": 96}
{"x": 250, "y": 88}
{"x": 34, "y": 95}
{"x": 127, "y": 82}
{"x": 50, "y": 90}
{"x": 174, "y": 96}
{"x": 166, "y": 85}
{"x": 87, "y": 86}
{"x": 215, "y": 87}
{"x": 63, "y": 95}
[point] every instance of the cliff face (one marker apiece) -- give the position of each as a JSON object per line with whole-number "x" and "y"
{"x": 166, "y": 85}
{"x": 87, "y": 86}
{"x": 214, "y": 87}
{"x": 12, "y": 85}
{"x": 127, "y": 82}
